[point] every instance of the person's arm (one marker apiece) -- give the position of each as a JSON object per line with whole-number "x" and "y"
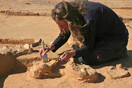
{"x": 60, "y": 40}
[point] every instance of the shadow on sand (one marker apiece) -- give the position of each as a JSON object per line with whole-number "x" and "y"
{"x": 126, "y": 62}
{"x": 2, "y": 79}
{"x": 18, "y": 68}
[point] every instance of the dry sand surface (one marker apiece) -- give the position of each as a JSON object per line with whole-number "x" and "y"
{"x": 44, "y": 27}
{"x": 36, "y": 27}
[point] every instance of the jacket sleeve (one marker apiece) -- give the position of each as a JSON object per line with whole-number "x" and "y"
{"x": 89, "y": 42}
{"x": 60, "y": 40}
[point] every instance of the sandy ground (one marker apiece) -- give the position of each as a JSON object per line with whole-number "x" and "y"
{"x": 28, "y": 27}
{"x": 36, "y": 27}
{"x": 45, "y": 5}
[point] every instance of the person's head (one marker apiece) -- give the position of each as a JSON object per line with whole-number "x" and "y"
{"x": 60, "y": 11}
{"x": 70, "y": 11}
{"x": 59, "y": 14}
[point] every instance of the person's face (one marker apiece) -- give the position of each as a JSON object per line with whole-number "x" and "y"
{"x": 63, "y": 25}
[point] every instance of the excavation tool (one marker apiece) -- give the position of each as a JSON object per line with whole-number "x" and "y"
{"x": 37, "y": 43}
{"x": 45, "y": 57}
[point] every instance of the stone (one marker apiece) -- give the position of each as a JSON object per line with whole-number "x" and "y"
{"x": 81, "y": 72}
{"x": 26, "y": 46}
{"x": 43, "y": 70}
{"x": 118, "y": 72}
{"x": 87, "y": 74}
{"x": 15, "y": 50}
{"x": 5, "y": 47}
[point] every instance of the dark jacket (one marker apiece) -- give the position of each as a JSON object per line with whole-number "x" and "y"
{"x": 103, "y": 25}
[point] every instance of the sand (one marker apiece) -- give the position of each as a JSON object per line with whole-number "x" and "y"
{"x": 36, "y": 27}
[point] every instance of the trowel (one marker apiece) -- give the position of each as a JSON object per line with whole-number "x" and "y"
{"x": 45, "y": 57}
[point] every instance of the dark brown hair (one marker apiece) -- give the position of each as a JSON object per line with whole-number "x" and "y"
{"x": 71, "y": 11}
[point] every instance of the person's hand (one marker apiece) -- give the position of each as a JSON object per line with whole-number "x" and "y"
{"x": 67, "y": 55}
{"x": 46, "y": 50}
{"x": 43, "y": 52}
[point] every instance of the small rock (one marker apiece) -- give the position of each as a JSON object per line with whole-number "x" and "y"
{"x": 5, "y": 47}
{"x": 27, "y": 46}
{"x": 87, "y": 74}
{"x": 118, "y": 72}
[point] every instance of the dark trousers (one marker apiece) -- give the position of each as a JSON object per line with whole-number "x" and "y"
{"x": 105, "y": 51}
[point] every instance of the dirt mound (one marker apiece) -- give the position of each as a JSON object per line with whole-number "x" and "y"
{"x": 81, "y": 72}
{"x": 16, "y": 50}
{"x": 118, "y": 72}
{"x": 7, "y": 63}
{"x": 20, "y": 41}
{"x": 43, "y": 70}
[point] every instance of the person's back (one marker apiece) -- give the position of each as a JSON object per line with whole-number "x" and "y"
{"x": 110, "y": 36}
{"x": 108, "y": 25}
